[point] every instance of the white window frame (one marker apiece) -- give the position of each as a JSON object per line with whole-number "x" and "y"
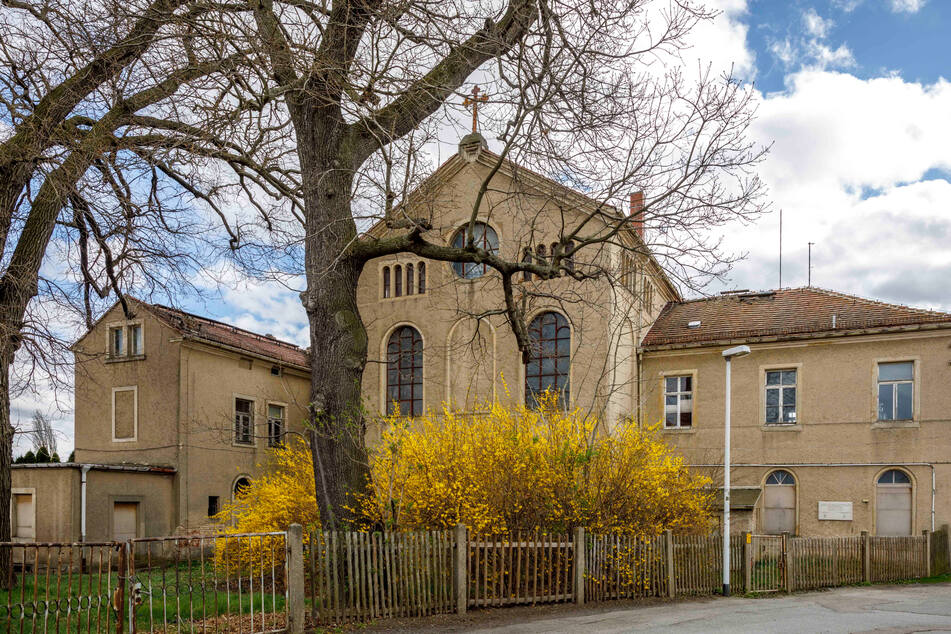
{"x": 283, "y": 407}
{"x": 677, "y": 374}
{"x": 779, "y": 388}
{"x": 234, "y": 421}
{"x": 135, "y": 412}
{"x": 125, "y": 327}
{"x": 914, "y": 391}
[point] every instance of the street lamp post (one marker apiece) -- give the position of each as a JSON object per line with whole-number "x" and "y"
{"x": 728, "y": 355}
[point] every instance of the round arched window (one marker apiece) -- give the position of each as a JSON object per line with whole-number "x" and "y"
{"x": 485, "y": 238}
{"x": 549, "y": 358}
{"x": 241, "y": 486}
{"x": 404, "y": 372}
{"x": 894, "y": 476}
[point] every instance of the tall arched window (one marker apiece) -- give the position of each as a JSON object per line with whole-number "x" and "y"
{"x": 398, "y": 281}
{"x": 779, "y": 503}
{"x": 485, "y": 238}
{"x": 386, "y": 281}
{"x": 404, "y": 372}
{"x": 526, "y": 259}
{"x": 549, "y": 358}
{"x": 569, "y": 256}
{"x": 410, "y": 280}
{"x": 893, "y": 503}
{"x": 422, "y": 278}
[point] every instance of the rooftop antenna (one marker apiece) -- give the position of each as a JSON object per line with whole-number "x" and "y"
{"x": 780, "y": 249}
{"x": 810, "y": 265}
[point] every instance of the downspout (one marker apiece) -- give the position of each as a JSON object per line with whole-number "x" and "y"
{"x": 82, "y": 502}
{"x": 841, "y": 464}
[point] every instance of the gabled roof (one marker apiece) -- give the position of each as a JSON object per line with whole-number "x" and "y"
{"x": 218, "y": 333}
{"x": 789, "y": 313}
{"x": 531, "y": 180}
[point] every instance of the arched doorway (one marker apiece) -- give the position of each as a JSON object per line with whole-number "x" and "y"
{"x": 893, "y": 503}
{"x": 779, "y": 503}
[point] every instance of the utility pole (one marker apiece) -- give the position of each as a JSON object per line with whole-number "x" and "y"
{"x": 810, "y": 265}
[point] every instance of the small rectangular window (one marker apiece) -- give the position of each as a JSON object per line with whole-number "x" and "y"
{"x": 781, "y": 397}
{"x": 275, "y": 425}
{"x": 678, "y": 402}
{"x": 117, "y": 342}
{"x": 243, "y": 421}
{"x": 896, "y": 390}
{"x": 213, "y": 505}
{"x": 135, "y": 339}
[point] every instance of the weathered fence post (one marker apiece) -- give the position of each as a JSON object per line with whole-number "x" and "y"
{"x": 866, "y": 558}
{"x": 787, "y": 573}
{"x": 119, "y": 595}
{"x": 669, "y": 556}
{"x": 579, "y": 565}
{"x": 459, "y": 566}
{"x": 947, "y": 540}
{"x": 748, "y": 562}
{"x": 295, "y": 579}
{"x": 927, "y": 535}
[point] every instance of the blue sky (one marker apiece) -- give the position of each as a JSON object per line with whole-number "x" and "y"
{"x": 854, "y": 98}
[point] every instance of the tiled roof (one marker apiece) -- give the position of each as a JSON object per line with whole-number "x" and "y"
{"x": 788, "y": 312}
{"x": 216, "y": 332}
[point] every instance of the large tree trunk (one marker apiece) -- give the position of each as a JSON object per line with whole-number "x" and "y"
{"x": 338, "y": 338}
{"x": 6, "y": 459}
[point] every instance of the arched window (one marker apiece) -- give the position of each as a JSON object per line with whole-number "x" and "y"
{"x": 422, "y": 278}
{"x": 569, "y": 256}
{"x": 241, "y": 485}
{"x": 404, "y": 372}
{"x": 779, "y": 503}
{"x": 893, "y": 503}
{"x": 386, "y": 281}
{"x": 410, "y": 280}
{"x": 549, "y": 358}
{"x": 541, "y": 254}
{"x": 485, "y": 238}
{"x": 398, "y": 281}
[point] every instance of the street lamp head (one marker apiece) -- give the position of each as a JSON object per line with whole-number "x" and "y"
{"x": 738, "y": 351}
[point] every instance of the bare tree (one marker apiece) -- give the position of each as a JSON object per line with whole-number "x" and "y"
{"x": 43, "y": 433}
{"x": 590, "y": 93}
{"x": 97, "y": 100}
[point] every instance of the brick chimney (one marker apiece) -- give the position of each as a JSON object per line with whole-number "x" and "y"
{"x": 637, "y": 207}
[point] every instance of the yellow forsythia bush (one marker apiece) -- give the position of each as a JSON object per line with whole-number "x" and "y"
{"x": 497, "y": 470}
{"x": 505, "y": 469}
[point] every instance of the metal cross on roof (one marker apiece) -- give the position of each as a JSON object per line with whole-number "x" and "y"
{"x": 474, "y": 101}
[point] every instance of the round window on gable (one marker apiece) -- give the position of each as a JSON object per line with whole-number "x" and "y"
{"x": 485, "y": 238}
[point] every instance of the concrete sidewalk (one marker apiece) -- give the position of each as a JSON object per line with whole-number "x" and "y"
{"x": 910, "y": 608}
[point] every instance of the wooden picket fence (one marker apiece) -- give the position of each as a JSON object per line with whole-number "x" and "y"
{"x": 361, "y": 576}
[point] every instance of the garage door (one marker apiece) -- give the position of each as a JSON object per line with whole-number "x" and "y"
{"x": 125, "y": 520}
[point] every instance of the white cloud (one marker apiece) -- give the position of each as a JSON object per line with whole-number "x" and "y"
{"x": 722, "y": 41}
{"x": 906, "y": 6}
{"x": 815, "y": 24}
{"x": 846, "y": 168}
{"x": 823, "y": 57}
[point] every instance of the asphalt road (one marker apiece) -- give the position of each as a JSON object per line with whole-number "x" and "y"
{"x": 887, "y": 609}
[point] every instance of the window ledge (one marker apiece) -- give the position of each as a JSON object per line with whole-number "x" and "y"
{"x": 783, "y": 427}
{"x": 138, "y": 357}
{"x": 243, "y": 445}
{"x": 895, "y": 424}
{"x": 679, "y": 430}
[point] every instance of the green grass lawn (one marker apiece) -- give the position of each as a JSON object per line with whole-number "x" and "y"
{"x": 173, "y": 598}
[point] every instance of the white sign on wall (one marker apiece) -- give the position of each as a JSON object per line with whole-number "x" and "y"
{"x": 835, "y": 510}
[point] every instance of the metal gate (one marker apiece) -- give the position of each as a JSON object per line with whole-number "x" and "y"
{"x": 767, "y": 563}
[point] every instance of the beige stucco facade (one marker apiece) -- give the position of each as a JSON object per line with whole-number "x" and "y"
{"x": 838, "y": 448}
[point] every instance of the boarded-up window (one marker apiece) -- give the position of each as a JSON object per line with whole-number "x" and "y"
{"x": 124, "y": 413}
{"x": 893, "y": 503}
{"x": 779, "y": 503}
{"x": 23, "y": 516}
{"x": 125, "y": 520}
